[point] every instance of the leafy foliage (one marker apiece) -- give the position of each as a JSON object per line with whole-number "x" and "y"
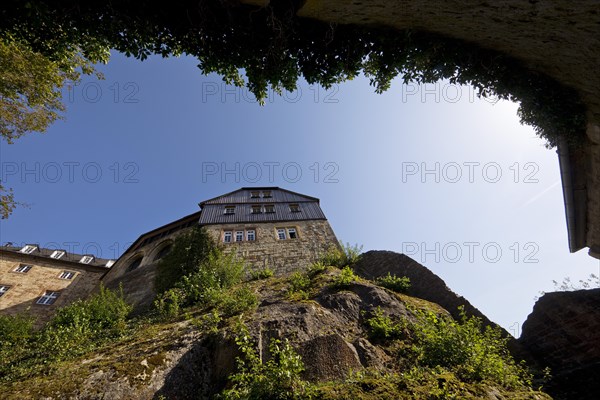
{"x": 345, "y": 278}
{"x": 275, "y": 47}
{"x": 473, "y": 353}
{"x": 187, "y": 253}
{"x": 262, "y": 273}
{"x": 382, "y": 327}
{"x": 394, "y": 283}
{"x": 74, "y": 330}
{"x": 276, "y": 379}
{"x": 341, "y": 256}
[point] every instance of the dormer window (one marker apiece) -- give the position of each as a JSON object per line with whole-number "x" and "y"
{"x": 269, "y": 208}
{"x": 254, "y": 194}
{"x": 56, "y": 254}
{"x": 266, "y": 194}
{"x": 229, "y": 210}
{"x": 86, "y": 259}
{"x": 28, "y": 249}
{"x": 294, "y": 208}
{"x": 256, "y": 209}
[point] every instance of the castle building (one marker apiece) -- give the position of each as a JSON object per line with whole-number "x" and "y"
{"x": 269, "y": 227}
{"x": 37, "y": 280}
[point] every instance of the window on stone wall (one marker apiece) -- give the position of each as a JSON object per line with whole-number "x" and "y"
{"x": 227, "y": 235}
{"x": 239, "y": 236}
{"x": 281, "y": 234}
{"x": 250, "y": 235}
{"x": 48, "y": 298}
{"x": 56, "y": 254}
{"x": 256, "y": 209}
{"x": 67, "y": 275}
{"x": 292, "y": 233}
{"x": 287, "y": 233}
{"x": 135, "y": 264}
{"x": 3, "y": 289}
{"x": 23, "y": 268}
{"x": 294, "y": 207}
{"x": 163, "y": 252}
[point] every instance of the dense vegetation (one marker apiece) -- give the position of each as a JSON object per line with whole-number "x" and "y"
{"x": 274, "y": 48}
{"x": 75, "y": 330}
{"x": 432, "y": 356}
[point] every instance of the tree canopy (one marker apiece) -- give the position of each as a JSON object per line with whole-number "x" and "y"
{"x": 46, "y": 42}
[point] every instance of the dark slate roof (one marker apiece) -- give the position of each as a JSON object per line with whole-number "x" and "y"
{"x": 162, "y": 231}
{"x": 67, "y": 257}
{"x": 242, "y": 196}
{"x": 213, "y": 209}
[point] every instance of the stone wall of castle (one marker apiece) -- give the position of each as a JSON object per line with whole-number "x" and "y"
{"x": 283, "y": 256}
{"x": 26, "y": 288}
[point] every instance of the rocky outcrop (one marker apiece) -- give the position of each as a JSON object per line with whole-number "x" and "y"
{"x": 424, "y": 284}
{"x": 563, "y": 333}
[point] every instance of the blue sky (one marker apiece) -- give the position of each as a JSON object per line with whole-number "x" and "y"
{"x": 451, "y": 180}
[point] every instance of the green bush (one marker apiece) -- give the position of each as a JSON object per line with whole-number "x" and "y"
{"x": 277, "y": 379}
{"x": 262, "y": 273}
{"x": 207, "y": 286}
{"x": 238, "y": 301}
{"x": 315, "y": 269}
{"x": 341, "y": 256}
{"x": 188, "y": 252}
{"x": 395, "y": 283}
{"x": 473, "y": 353}
{"x": 345, "y": 278}
{"x": 382, "y": 327}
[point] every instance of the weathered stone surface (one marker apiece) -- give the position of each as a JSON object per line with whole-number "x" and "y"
{"x": 563, "y": 332}
{"x": 424, "y": 283}
{"x": 328, "y": 358}
{"x": 283, "y": 256}
{"x": 26, "y": 288}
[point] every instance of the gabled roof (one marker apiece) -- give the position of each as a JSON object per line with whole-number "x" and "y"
{"x": 242, "y": 196}
{"x": 71, "y": 258}
{"x": 167, "y": 229}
